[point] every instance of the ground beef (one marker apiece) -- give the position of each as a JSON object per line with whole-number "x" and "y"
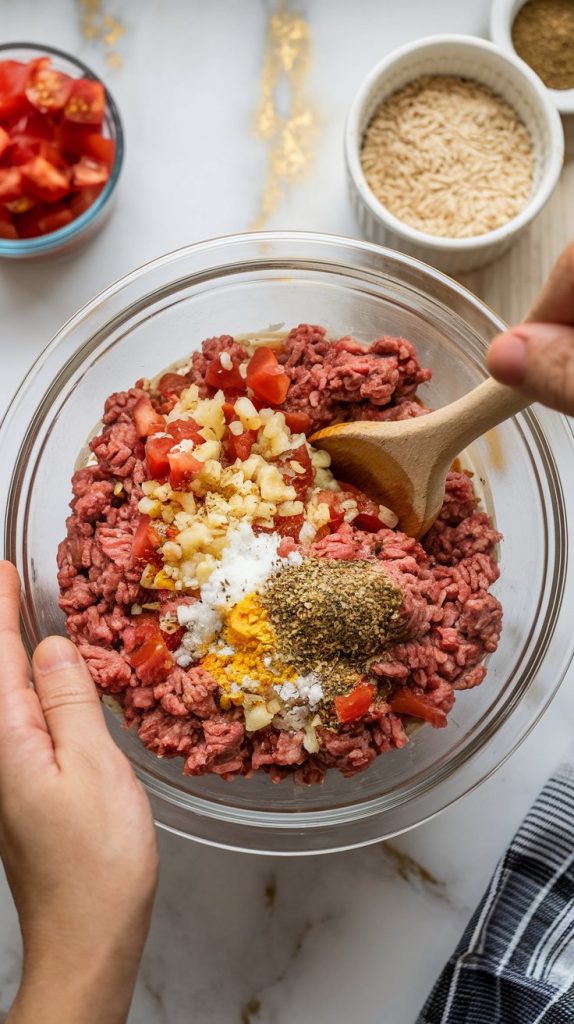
{"x": 344, "y": 380}
{"x": 453, "y": 619}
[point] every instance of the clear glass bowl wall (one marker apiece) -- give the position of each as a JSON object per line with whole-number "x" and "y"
{"x": 245, "y": 283}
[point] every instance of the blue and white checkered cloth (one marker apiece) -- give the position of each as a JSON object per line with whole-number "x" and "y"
{"x": 515, "y": 961}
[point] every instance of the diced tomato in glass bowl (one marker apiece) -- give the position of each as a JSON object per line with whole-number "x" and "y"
{"x": 61, "y": 151}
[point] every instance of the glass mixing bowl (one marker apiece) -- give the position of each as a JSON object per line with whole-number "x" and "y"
{"x": 246, "y": 283}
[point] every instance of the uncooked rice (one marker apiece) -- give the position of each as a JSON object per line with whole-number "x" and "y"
{"x": 449, "y": 157}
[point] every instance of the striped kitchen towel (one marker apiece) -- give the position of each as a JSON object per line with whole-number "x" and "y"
{"x": 515, "y": 961}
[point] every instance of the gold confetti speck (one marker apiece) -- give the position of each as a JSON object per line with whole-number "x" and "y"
{"x": 99, "y": 26}
{"x": 289, "y": 136}
{"x": 114, "y": 60}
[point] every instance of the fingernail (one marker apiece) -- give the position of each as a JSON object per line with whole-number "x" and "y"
{"x": 508, "y": 357}
{"x": 55, "y": 653}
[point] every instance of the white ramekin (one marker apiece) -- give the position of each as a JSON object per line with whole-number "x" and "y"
{"x": 502, "y": 15}
{"x": 506, "y": 75}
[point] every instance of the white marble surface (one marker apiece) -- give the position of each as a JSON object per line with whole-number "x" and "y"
{"x": 235, "y": 939}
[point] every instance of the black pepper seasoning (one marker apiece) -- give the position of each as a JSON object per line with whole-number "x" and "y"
{"x": 332, "y": 617}
{"x": 543, "y": 35}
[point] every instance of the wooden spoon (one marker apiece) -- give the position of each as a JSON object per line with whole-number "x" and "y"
{"x": 403, "y": 464}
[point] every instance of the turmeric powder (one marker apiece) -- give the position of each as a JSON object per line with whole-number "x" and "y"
{"x": 244, "y": 662}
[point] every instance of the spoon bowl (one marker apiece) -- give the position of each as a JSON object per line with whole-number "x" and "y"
{"x": 403, "y": 463}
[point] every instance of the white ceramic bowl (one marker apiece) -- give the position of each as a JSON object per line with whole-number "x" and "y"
{"x": 506, "y": 75}
{"x": 502, "y": 15}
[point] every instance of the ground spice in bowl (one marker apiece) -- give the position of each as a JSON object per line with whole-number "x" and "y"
{"x": 449, "y": 157}
{"x": 543, "y": 35}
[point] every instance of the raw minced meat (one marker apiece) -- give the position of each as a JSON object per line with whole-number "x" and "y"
{"x": 176, "y": 707}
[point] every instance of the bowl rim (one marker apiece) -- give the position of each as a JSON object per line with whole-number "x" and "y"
{"x": 502, "y": 17}
{"x": 44, "y": 243}
{"x": 281, "y": 833}
{"x": 439, "y": 243}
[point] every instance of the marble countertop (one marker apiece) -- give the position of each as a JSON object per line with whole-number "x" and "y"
{"x": 237, "y": 939}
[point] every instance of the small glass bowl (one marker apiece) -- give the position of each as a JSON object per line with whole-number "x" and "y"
{"x": 84, "y": 227}
{"x": 525, "y": 470}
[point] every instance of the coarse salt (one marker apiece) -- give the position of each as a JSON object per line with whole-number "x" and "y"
{"x": 202, "y": 624}
{"x": 247, "y": 562}
{"x": 306, "y": 688}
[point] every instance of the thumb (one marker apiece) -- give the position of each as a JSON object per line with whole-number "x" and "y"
{"x": 67, "y": 695}
{"x": 538, "y": 359}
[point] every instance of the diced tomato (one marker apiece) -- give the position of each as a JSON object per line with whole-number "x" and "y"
{"x": 229, "y": 412}
{"x": 86, "y": 103}
{"x": 156, "y": 450}
{"x": 145, "y": 627}
{"x": 266, "y": 377}
{"x": 367, "y": 517}
{"x": 405, "y": 702}
{"x": 29, "y": 137}
{"x": 72, "y": 139}
{"x": 173, "y": 640}
{"x": 337, "y": 515}
{"x": 298, "y": 422}
{"x": 322, "y": 532}
{"x": 51, "y": 146}
{"x": 368, "y": 523}
{"x": 331, "y": 498}
{"x": 21, "y": 205}
{"x": 99, "y": 148}
{"x": 7, "y": 227}
{"x": 364, "y": 503}
{"x": 355, "y": 704}
{"x": 13, "y": 81}
{"x": 44, "y": 181}
{"x": 172, "y": 384}
{"x": 350, "y": 488}
{"x": 10, "y": 184}
{"x": 27, "y": 223}
{"x": 54, "y": 220}
{"x": 146, "y": 539}
{"x": 52, "y": 154}
{"x": 336, "y": 520}
{"x": 289, "y": 526}
{"x": 152, "y": 661}
{"x": 48, "y": 89}
{"x": 33, "y": 126}
{"x": 84, "y": 199}
{"x": 257, "y": 528}
{"x": 218, "y": 377}
{"x": 87, "y": 173}
{"x": 183, "y": 467}
{"x": 302, "y": 457}
{"x": 21, "y": 151}
{"x": 238, "y": 446}
{"x": 185, "y": 430}
{"x": 300, "y": 481}
{"x": 146, "y": 419}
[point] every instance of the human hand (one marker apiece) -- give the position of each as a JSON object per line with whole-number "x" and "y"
{"x": 537, "y": 356}
{"x": 76, "y": 834}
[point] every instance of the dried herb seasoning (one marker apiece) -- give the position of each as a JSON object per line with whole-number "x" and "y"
{"x": 338, "y": 612}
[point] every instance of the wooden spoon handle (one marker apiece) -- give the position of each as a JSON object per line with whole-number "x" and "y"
{"x": 483, "y": 408}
